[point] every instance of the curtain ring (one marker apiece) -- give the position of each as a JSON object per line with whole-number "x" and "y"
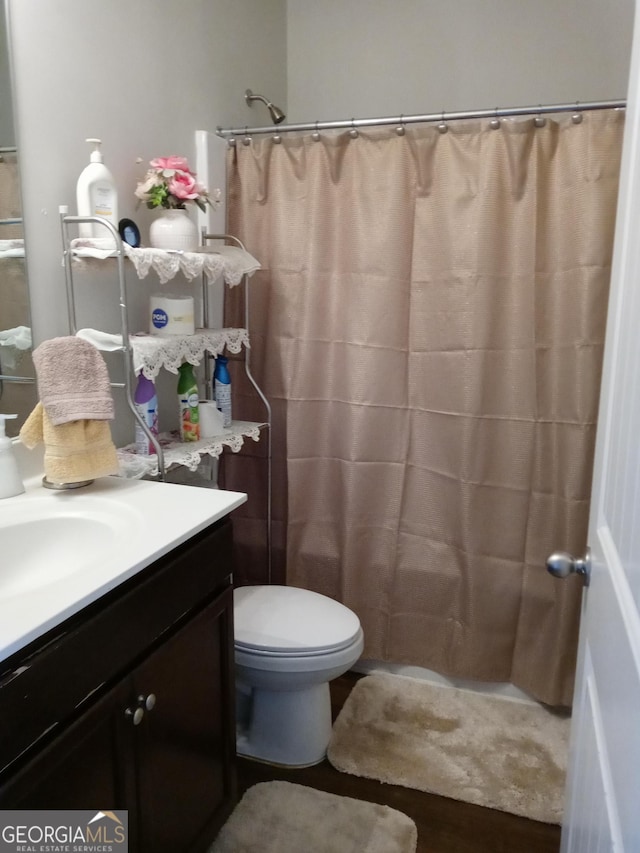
{"x": 316, "y": 135}
{"x": 539, "y": 120}
{"x": 576, "y": 118}
{"x": 353, "y": 133}
{"x": 494, "y": 124}
{"x": 400, "y": 129}
{"x": 231, "y": 142}
{"x": 246, "y": 139}
{"x": 443, "y": 127}
{"x": 276, "y": 139}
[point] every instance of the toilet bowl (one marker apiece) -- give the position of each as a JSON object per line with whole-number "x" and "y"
{"x": 289, "y": 644}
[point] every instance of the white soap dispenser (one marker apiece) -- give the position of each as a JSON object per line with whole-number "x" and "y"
{"x": 10, "y": 480}
{"x": 96, "y": 195}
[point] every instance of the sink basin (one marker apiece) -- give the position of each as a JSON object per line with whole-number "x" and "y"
{"x": 61, "y": 551}
{"x": 46, "y": 541}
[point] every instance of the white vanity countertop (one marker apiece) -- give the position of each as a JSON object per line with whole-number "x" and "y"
{"x": 145, "y": 520}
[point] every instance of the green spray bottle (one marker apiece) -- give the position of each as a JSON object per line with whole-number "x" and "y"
{"x": 188, "y": 400}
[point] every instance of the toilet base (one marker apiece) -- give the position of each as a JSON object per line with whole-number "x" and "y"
{"x": 289, "y": 728}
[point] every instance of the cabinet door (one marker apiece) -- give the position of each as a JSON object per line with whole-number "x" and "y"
{"x": 185, "y": 745}
{"x": 81, "y": 769}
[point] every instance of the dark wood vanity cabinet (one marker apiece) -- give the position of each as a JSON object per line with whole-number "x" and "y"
{"x": 157, "y": 737}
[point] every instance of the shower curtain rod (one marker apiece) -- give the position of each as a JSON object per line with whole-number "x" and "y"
{"x": 401, "y": 120}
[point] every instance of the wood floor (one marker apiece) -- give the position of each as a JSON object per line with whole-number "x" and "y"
{"x": 444, "y": 826}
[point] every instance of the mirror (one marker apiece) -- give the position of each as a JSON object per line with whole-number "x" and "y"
{"x": 17, "y": 386}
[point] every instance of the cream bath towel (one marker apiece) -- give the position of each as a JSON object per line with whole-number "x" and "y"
{"x": 81, "y": 450}
{"x": 73, "y": 381}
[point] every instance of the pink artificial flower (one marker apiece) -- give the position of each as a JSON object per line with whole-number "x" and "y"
{"x": 184, "y": 186}
{"x": 173, "y": 162}
{"x": 170, "y": 183}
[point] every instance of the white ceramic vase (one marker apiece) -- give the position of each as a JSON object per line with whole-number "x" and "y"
{"x": 173, "y": 229}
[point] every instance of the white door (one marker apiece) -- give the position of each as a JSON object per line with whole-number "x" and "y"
{"x": 603, "y": 792}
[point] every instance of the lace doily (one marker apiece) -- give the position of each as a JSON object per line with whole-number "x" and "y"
{"x": 153, "y": 353}
{"x": 187, "y": 454}
{"x": 18, "y": 337}
{"x": 12, "y": 248}
{"x": 15, "y": 343}
{"x": 231, "y": 262}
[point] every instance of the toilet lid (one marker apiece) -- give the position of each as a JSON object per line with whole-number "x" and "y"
{"x": 289, "y": 620}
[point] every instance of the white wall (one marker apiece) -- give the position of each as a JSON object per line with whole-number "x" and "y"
{"x": 360, "y": 58}
{"x": 143, "y": 76}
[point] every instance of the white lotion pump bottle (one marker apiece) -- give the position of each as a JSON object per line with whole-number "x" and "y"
{"x": 10, "y": 480}
{"x": 96, "y": 195}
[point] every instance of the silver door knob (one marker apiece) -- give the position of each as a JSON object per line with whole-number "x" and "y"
{"x": 561, "y": 565}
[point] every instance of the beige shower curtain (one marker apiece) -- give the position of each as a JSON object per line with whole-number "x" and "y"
{"x": 428, "y": 325}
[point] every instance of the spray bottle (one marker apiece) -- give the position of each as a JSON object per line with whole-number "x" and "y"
{"x": 188, "y": 401}
{"x": 146, "y": 402}
{"x": 222, "y": 389}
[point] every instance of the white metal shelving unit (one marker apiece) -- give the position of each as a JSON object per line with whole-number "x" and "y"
{"x": 149, "y": 353}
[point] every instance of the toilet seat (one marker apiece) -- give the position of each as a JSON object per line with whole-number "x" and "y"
{"x": 288, "y": 622}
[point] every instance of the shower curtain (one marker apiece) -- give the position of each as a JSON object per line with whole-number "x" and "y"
{"x": 428, "y": 324}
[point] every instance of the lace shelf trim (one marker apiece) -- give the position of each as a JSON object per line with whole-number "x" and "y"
{"x": 231, "y": 262}
{"x": 151, "y": 353}
{"x": 187, "y": 454}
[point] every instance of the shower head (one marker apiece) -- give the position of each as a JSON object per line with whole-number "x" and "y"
{"x": 275, "y": 112}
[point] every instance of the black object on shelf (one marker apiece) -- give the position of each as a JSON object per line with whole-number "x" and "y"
{"x": 129, "y": 232}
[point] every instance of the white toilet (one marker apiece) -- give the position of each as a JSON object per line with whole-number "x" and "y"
{"x": 289, "y": 643}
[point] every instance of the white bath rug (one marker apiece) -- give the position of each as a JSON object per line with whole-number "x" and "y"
{"x": 488, "y": 750}
{"x": 280, "y": 817}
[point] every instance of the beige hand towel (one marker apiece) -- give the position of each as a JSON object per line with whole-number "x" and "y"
{"x": 81, "y": 450}
{"x": 73, "y": 381}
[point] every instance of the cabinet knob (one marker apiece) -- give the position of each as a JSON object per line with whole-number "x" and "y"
{"x": 135, "y": 715}
{"x": 148, "y": 702}
{"x": 143, "y": 703}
